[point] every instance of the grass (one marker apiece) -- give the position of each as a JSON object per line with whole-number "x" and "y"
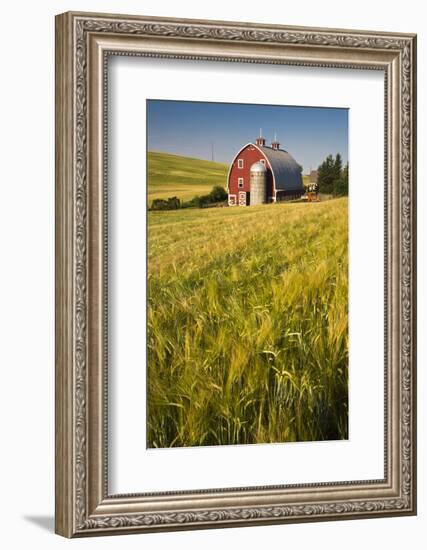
{"x": 183, "y": 177}
{"x": 248, "y": 325}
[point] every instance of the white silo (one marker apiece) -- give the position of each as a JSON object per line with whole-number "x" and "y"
{"x": 258, "y": 178}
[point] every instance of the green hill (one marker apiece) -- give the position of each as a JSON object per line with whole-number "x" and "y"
{"x": 183, "y": 177}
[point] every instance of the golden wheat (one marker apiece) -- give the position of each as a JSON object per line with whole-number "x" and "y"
{"x": 247, "y": 324}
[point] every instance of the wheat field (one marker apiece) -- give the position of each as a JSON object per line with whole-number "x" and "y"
{"x": 248, "y": 324}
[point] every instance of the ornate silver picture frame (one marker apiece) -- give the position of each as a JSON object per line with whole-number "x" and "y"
{"x": 84, "y": 42}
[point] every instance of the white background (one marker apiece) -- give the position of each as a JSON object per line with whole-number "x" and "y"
{"x": 133, "y": 468}
{"x": 26, "y": 301}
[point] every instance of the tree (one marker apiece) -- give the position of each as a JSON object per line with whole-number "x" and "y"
{"x": 337, "y": 167}
{"x": 218, "y": 194}
{"x": 341, "y": 185}
{"x": 172, "y": 203}
{"x": 332, "y": 179}
{"x": 326, "y": 175}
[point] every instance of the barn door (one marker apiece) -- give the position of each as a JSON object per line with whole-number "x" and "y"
{"x": 242, "y": 198}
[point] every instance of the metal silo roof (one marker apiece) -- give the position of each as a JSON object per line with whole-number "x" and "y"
{"x": 286, "y": 171}
{"x": 258, "y": 167}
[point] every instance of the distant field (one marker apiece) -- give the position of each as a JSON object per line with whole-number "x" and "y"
{"x": 183, "y": 177}
{"x": 248, "y": 325}
{"x": 305, "y": 180}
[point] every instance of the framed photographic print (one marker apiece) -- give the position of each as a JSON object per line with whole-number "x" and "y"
{"x": 235, "y": 274}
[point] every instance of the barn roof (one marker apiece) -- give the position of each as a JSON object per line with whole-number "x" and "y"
{"x": 286, "y": 171}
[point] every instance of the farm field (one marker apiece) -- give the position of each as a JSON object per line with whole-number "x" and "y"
{"x": 248, "y": 324}
{"x": 183, "y": 177}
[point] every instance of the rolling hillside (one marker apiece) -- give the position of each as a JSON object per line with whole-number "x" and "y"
{"x": 183, "y": 177}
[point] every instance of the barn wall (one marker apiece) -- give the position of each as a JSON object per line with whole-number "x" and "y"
{"x": 288, "y": 195}
{"x": 250, "y": 155}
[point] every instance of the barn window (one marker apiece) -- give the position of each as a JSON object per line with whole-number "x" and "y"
{"x": 240, "y": 163}
{"x": 240, "y": 182}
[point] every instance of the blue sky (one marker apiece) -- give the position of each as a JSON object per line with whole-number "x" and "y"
{"x": 193, "y": 128}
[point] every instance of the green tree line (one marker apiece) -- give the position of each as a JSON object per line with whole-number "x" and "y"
{"x": 217, "y": 195}
{"x": 332, "y": 176}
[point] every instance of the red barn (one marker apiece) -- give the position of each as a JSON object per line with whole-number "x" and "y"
{"x": 261, "y": 174}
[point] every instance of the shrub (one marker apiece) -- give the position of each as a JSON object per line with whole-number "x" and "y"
{"x": 217, "y": 194}
{"x": 172, "y": 203}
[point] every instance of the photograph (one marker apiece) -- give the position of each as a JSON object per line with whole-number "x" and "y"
{"x": 247, "y": 273}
